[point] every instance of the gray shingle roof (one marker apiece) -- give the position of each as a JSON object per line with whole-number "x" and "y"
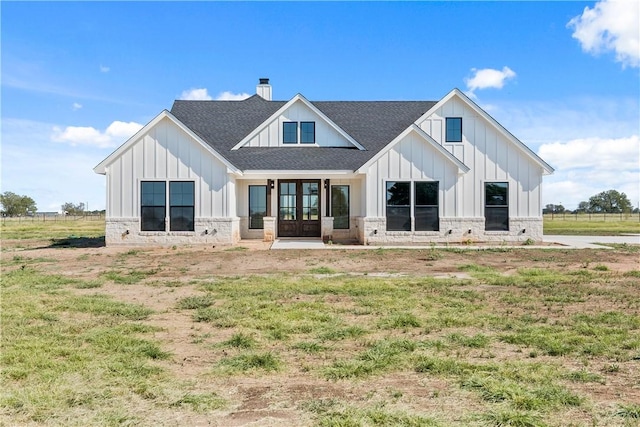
{"x": 222, "y": 124}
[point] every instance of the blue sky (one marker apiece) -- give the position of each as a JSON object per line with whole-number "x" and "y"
{"x": 79, "y": 78}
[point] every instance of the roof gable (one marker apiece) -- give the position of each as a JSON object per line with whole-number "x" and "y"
{"x": 547, "y": 169}
{"x": 462, "y": 168}
{"x": 101, "y": 168}
{"x": 298, "y": 99}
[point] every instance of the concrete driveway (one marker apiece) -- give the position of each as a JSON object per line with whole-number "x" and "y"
{"x": 561, "y": 242}
{"x": 592, "y": 242}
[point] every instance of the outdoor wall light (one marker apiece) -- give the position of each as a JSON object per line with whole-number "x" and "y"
{"x": 126, "y": 232}
{"x": 469, "y": 231}
{"x": 450, "y": 232}
{"x": 524, "y": 230}
{"x": 206, "y": 231}
{"x": 271, "y": 183}
{"x": 375, "y": 231}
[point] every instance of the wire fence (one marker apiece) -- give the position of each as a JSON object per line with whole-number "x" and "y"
{"x": 42, "y": 217}
{"x": 594, "y": 217}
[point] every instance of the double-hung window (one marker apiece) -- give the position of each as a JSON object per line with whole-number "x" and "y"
{"x": 453, "y": 129}
{"x": 340, "y": 206}
{"x": 496, "y": 206}
{"x": 290, "y": 133}
{"x": 181, "y": 206}
{"x": 257, "y": 205}
{"x": 426, "y": 206}
{"x": 398, "y": 206}
{"x": 307, "y": 132}
{"x": 153, "y": 206}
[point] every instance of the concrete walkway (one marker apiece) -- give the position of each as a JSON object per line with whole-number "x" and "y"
{"x": 555, "y": 242}
{"x": 592, "y": 242}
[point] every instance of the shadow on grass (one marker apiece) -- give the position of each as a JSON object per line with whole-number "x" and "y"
{"x": 78, "y": 242}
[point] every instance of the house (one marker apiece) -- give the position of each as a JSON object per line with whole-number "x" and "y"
{"x": 375, "y": 172}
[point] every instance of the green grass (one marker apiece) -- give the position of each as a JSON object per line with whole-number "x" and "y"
{"x": 195, "y": 301}
{"x": 62, "y": 351}
{"x": 266, "y": 362}
{"x": 613, "y": 226}
{"x": 51, "y": 229}
{"x": 332, "y": 412}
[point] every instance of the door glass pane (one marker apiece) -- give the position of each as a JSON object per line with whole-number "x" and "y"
{"x": 310, "y": 201}
{"x": 287, "y": 201}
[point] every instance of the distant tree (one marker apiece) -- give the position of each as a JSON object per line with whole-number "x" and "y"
{"x": 72, "y": 209}
{"x": 609, "y": 201}
{"x": 15, "y": 205}
{"x": 555, "y": 209}
{"x": 583, "y": 207}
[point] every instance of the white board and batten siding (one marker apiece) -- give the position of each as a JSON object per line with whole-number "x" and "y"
{"x": 411, "y": 159}
{"x": 166, "y": 152}
{"x": 491, "y": 156}
{"x": 271, "y": 134}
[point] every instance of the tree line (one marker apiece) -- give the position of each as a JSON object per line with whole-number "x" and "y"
{"x": 17, "y": 205}
{"x": 610, "y": 201}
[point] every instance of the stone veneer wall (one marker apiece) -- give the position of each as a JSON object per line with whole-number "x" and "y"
{"x": 126, "y": 231}
{"x": 372, "y": 231}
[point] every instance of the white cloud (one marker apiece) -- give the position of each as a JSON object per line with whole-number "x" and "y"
{"x": 587, "y": 166}
{"x": 230, "y": 96}
{"x": 195, "y": 95}
{"x": 202, "y": 94}
{"x": 104, "y": 69}
{"x": 76, "y": 106}
{"x": 49, "y": 172}
{"x": 612, "y": 25}
{"x": 114, "y": 135}
{"x": 488, "y": 78}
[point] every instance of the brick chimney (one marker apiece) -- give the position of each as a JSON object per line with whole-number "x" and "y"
{"x": 264, "y": 89}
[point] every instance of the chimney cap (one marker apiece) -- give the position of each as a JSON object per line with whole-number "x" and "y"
{"x": 264, "y": 81}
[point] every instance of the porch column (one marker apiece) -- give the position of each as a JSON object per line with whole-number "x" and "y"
{"x": 269, "y": 228}
{"x": 327, "y": 228}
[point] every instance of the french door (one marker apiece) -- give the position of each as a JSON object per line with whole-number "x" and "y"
{"x": 299, "y": 208}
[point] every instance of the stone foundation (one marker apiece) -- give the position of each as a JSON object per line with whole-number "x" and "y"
{"x": 372, "y": 231}
{"x": 126, "y": 232}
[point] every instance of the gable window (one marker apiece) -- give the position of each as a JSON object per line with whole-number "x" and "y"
{"x": 153, "y": 205}
{"x": 290, "y": 133}
{"x": 398, "y": 206}
{"x": 307, "y": 132}
{"x": 340, "y": 206}
{"x": 496, "y": 206}
{"x": 426, "y": 206}
{"x": 453, "y": 129}
{"x": 257, "y": 205}
{"x": 181, "y": 206}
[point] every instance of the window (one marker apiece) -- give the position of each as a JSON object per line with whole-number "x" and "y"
{"x": 181, "y": 206}
{"x": 426, "y": 206}
{"x": 153, "y": 205}
{"x": 398, "y": 206}
{"x": 454, "y": 129}
{"x": 290, "y": 133}
{"x": 307, "y": 132}
{"x": 496, "y": 206}
{"x": 257, "y": 205}
{"x": 340, "y": 206}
